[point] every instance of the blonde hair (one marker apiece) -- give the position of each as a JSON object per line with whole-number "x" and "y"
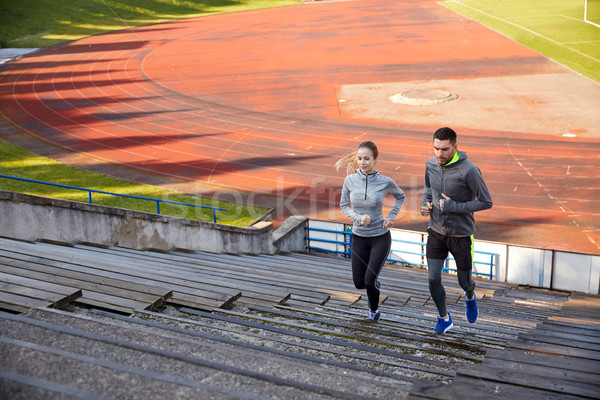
{"x": 351, "y": 161}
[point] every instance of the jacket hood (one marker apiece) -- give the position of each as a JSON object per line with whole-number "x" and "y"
{"x": 462, "y": 156}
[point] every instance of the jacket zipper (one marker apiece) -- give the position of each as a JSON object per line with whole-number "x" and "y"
{"x": 366, "y": 185}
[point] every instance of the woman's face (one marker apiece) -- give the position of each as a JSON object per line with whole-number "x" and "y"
{"x": 366, "y": 161}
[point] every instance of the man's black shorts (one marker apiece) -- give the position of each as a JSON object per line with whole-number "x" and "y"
{"x": 461, "y": 249}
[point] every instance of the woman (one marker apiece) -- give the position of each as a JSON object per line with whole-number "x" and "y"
{"x": 362, "y": 200}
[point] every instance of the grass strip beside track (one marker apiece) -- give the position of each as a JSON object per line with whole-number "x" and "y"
{"x": 15, "y": 161}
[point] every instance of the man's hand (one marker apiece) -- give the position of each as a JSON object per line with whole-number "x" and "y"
{"x": 426, "y": 210}
{"x": 443, "y": 200}
{"x": 388, "y": 223}
{"x": 365, "y": 219}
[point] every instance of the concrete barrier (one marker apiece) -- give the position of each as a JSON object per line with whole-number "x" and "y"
{"x": 33, "y": 218}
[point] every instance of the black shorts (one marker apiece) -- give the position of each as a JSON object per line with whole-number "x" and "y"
{"x": 461, "y": 249}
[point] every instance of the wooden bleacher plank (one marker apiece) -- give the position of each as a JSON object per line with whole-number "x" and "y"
{"x": 117, "y": 275}
{"x": 564, "y": 348}
{"x": 546, "y": 369}
{"x": 34, "y": 283}
{"x": 84, "y": 282}
{"x": 113, "y": 302}
{"x": 201, "y": 302}
{"x": 18, "y": 303}
{"x": 57, "y": 300}
{"x": 527, "y": 379}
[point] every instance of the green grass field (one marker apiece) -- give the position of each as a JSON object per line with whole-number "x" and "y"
{"x": 42, "y": 23}
{"x": 554, "y": 28}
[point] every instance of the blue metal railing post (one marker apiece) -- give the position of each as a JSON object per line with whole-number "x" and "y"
{"x": 349, "y": 234}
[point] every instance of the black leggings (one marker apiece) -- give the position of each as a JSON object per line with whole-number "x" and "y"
{"x": 438, "y": 293}
{"x": 368, "y": 256}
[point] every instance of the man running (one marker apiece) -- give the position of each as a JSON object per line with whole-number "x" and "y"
{"x": 454, "y": 190}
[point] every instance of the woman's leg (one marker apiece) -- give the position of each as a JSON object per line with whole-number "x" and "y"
{"x": 380, "y": 248}
{"x": 360, "y": 252}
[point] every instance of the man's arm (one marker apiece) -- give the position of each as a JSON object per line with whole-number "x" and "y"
{"x": 482, "y": 201}
{"x": 427, "y": 196}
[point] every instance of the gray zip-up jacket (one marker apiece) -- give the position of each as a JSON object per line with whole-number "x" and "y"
{"x": 364, "y": 194}
{"x": 462, "y": 181}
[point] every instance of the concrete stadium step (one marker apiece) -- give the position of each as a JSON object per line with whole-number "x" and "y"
{"x": 237, "y": 364}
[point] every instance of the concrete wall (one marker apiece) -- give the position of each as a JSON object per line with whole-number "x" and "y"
{"x": 290, "y": 235}
{"x": 33, "y": 218}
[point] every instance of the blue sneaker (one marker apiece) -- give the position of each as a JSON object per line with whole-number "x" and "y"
{"x": 442, "y": 325}
{"x": 472, "y": 312}
{"x": 374, "y": 315}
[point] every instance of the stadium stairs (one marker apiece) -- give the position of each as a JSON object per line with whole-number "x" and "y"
{"x": 92, "y": 322}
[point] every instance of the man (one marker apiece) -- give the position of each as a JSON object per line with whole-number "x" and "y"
{"x": 454, "y": 190}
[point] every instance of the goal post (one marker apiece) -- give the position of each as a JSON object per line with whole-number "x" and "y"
{"x": 591, "y": 13}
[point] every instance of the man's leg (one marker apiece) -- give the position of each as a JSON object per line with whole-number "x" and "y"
{"x": 436, "y": 288}
{"x": 463, "y": 249}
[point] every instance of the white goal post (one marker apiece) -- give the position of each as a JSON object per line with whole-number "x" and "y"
{"x": 591, "y": 13}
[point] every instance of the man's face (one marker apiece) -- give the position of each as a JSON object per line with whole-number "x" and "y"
{"x": 444, "y": 150}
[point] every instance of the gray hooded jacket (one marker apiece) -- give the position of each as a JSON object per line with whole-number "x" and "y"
{"x": 364, "y": 194}
{"x": 462, "y": 181}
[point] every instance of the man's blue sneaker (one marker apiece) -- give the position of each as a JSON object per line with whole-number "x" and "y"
{"x": 472, "y": 313}
{"x": 443, "y": 325}
{"x": 374, "y": 315}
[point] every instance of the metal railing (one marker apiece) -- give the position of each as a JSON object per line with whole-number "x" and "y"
{"x": 347, "y": 244}
{"x": 90, "y": 191}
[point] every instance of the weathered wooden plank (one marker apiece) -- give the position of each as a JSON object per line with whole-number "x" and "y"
{"x": 529, "y": 380}
{"x": 80, "y": 274}
{"x": 113, "y": 302}
{"x": 58, "y": 300}
{"x": 202, "y": 303}
{"x": 590, "y": 322}
{"x": 566, "y": 350}
{"x": 20, "y": 303}
{"x": 35, "y": 283}
{"x": 118, "y": 270}
{"x": 464, "y": 387}
{"x": 526, "y": 356}
{"x": 85, "y": 282}
{"x": 118, "y": 277}
{"x": 552, "y": 370}
{"x": 577, "y": 339}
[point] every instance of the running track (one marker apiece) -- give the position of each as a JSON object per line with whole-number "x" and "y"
{"x": 259, "y": 105}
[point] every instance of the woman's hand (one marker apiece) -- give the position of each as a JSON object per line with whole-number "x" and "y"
{"x": 365, "y": 219}
{"x": 388, "y": 223}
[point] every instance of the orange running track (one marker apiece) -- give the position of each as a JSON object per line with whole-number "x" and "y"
{"x": 257, "y": 106}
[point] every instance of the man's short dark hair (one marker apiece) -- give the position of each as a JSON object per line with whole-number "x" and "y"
{"x": 445, "y": 133}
